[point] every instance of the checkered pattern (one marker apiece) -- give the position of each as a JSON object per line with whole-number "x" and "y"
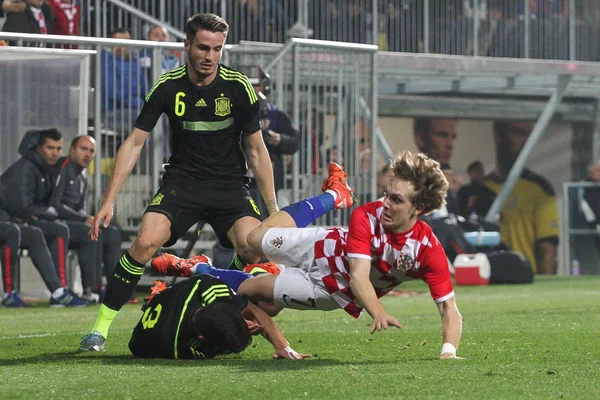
{"x": 395, "y": 258}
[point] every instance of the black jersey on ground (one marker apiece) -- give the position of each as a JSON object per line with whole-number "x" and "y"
{"x": 165, "y": 330}
{"x": 207, "y": 122}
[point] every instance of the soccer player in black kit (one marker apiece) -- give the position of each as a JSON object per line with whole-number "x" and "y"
{"x": 201, "y": 318}
{"x": 213, "y": 113}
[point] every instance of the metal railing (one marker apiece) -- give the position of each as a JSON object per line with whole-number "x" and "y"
{"x": 581, "y": 240}
{"x": 329, "y": 88}
{"x": 544, "y": 29}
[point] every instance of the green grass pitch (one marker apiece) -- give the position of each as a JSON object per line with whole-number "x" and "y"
{"x": 522, "y": 341}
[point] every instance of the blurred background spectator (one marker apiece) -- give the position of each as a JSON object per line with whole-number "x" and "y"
{"x": 124, "y": 84}
{"x": 29, "y": 16}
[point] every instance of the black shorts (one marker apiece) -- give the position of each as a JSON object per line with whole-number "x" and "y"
{"x": 219, "y": 204}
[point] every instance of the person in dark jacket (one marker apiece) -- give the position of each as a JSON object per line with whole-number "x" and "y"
{"x": 15, "y": 236}
{"x": 69, "y": 200}
{"x": 30, "y": 182}
{"x": 29, "y": 16}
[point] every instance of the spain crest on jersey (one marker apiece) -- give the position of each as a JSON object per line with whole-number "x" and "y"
{"x": 222, "y": 106}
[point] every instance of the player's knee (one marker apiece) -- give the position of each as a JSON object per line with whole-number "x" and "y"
{"x": 255, "y": 240}
{"x": 247, "y": 253}
{"x": 144, "y": 246}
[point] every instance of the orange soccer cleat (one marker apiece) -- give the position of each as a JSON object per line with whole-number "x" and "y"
{"x": 336, "y": 181}
{"x": 262, "y": 268}
{"x": 171, "y": 265}
{"x": 159, "y": 286}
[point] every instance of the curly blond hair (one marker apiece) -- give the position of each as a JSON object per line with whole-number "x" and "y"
{"x": 429, "y": 183}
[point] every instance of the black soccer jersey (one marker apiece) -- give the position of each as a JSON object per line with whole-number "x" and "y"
{"x": 165, "y": 330}
{"x": 207, "y": 122}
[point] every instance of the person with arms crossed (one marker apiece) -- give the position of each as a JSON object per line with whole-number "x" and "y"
{"x": 386, "y": 243}
{"x": 201, "y": 318}
{"x": 212, "y": 109}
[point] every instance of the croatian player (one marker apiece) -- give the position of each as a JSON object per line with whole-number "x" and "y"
{"x": 385, "y": 244}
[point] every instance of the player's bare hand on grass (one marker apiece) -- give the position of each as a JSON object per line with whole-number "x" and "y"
{"x": 290, "y": 354}
{"x": 103, "y": 217}
{"x": 382, "y": 321}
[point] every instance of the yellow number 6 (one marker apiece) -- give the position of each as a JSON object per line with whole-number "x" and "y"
{"x": 179, "y": 105}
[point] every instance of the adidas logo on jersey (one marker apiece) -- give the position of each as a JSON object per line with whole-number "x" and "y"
{"x": 201, "y": 103}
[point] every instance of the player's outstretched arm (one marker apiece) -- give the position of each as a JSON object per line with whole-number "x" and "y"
{"x": 365, "y": 294}
{"x": 260, "y": 162}
{"x": 451, "y": 327}
{"x": 128, "y": 155}
{"x": 272, "y": 333}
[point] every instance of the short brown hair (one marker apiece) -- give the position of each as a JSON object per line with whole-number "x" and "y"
{"x": 429, "y": 183}
{"x": 205, "y": 22}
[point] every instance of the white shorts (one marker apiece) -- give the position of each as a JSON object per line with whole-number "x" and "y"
{"x": 295, "y": 289}
{"x": 299, "y": 286}
{"x": 292, "y": 247}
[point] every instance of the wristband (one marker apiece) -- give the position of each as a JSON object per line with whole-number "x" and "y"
{"x": 448, "y": 348}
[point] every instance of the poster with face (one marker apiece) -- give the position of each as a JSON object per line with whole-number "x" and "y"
{"x": 458, "y": 143}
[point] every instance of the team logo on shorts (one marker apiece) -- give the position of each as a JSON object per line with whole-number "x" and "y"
{"x": 404, "y": 262}
{"x": 222, "y": 106}
{"x": 277, "y": 242}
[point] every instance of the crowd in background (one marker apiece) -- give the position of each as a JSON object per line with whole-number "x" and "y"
{"x": 500, "y": 25}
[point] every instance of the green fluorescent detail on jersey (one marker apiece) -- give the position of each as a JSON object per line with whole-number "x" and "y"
{"x": 185, "y": 306}
{"x": 207, "y": 126}
{"x": 213, "y": 292}
{"x": 149, "y": 319}
{"x": 229, "y": 75}
{"x": 174, "y": 74}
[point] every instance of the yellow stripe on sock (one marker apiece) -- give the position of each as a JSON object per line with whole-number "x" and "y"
{"x": 129, "y": 267}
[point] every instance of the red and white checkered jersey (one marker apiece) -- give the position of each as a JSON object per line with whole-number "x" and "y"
{"x": 395, "y": 257}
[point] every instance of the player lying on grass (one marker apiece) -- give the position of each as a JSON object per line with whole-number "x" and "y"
{"x": 202, "y": 318}
{"x": 385, "y": 244}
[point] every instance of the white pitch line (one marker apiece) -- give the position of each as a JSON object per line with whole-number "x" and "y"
{"x": 35, "y": 335}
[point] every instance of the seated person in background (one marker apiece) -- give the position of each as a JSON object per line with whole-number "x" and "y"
{"x": 31, "y": 182}
{"x": 69, "y": 199}
{"x": 456, "y": 180}
{"x": 124, "y": 85}
{"x": 529, "y": 216}
{"x": 15, "y": 236}
{"x": 475, "y": 171}
{"x": 202, "y": 318}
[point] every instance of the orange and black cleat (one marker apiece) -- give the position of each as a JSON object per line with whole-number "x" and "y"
{"x": 336, "y": 181}
{"x": 171, "y": 265}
